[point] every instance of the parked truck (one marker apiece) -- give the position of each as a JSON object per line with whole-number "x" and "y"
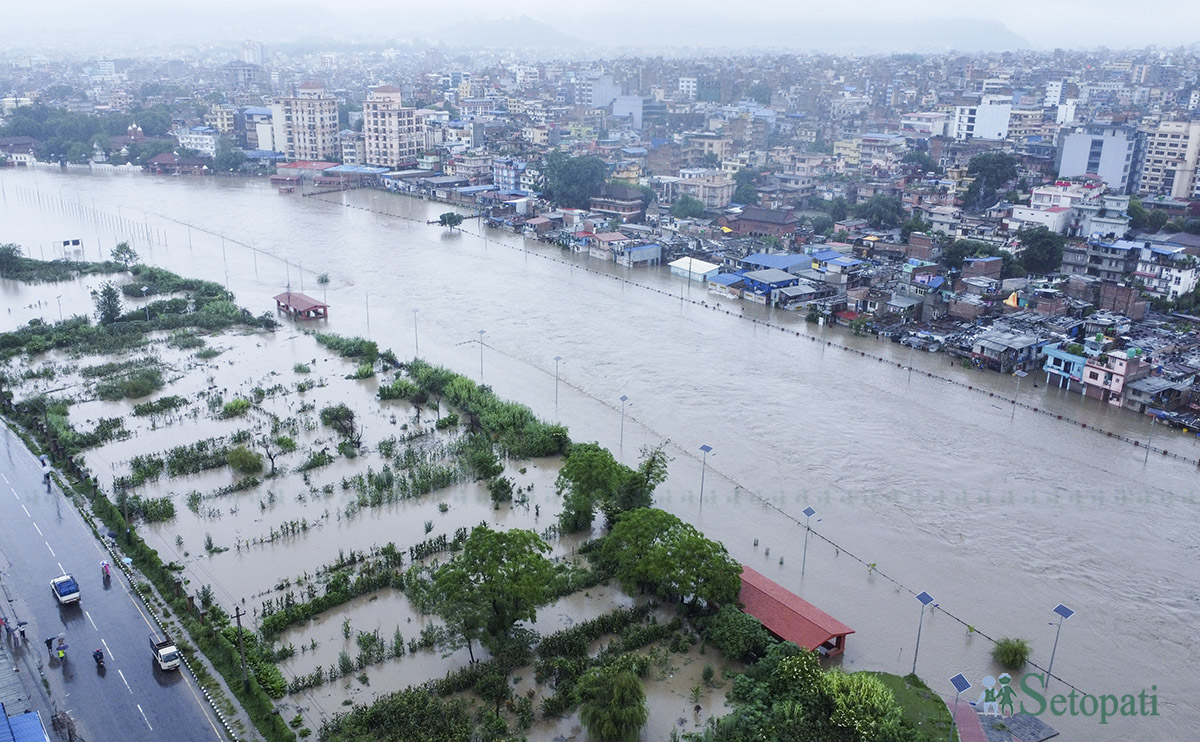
{"x": 66, "y": 589}
{"x": 166, "y": 654}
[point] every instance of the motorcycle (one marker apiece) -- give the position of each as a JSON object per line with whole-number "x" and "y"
{"x": 98, "y": 655}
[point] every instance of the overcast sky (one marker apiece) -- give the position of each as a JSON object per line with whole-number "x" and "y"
{"x": 1043, "y": 24}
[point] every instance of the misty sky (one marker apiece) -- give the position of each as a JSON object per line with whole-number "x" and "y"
{"x": 1042, "y": 23}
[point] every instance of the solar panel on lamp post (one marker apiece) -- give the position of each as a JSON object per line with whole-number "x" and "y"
{"x": 1063, "y": 613}
{"x": 925, "y": 599}
{"x": 961, "y": 685}
{"x": 624, "y": 401}
{"x": 808, "y": 514}
{"x": 703, "y": 465}
{"x": 1020, "y": 375}
{"x": 557, "y": 360}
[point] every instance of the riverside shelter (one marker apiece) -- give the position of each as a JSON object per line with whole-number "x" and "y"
{"x": 790, "y": 617}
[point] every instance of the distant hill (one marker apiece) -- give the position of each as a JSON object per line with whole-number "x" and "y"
{"x": 502, "y": 33}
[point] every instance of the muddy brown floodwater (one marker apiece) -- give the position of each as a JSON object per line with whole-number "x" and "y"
{"x": 918, "y": 483}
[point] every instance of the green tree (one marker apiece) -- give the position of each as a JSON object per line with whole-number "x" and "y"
{"x": 1156, "y": 220}
{"x": 687, "y": 207}
{"x": 124, "y": 254}
{"x": 10, "y": 257}
{"x": 612, "y": 704}
{"x": 589, "y": 475}
{"x": 340, "y": 418}
{"x": 573, "y": 181}
{"x": 648, "y": 548}
{"x": 821, "y": 224}
{"x": 245, "y": 461}
{"x": 991, "y": 172}
{"x": 230, "y": 157}
{"x": 838, "y": 209}
{"x": 636, "y": 488}
{"x": 1042, "y": 249}
{"x": 108, "y": 303}
{"x": 923, "y": 160}
{"x": 737, "y": 635}
{"x": 747, "y": 185}
{"x": 915, "y": 224}
{"x": 498, "y": 579}
{"x": 882, "y": 212}
{"x": 450, "y": 219}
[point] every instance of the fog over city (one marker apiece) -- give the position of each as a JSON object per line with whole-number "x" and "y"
{"x": 666, "y": 26}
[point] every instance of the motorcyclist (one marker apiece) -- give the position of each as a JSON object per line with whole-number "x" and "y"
{"x": 98, "y": 655}
{"x": 105, "y": 569}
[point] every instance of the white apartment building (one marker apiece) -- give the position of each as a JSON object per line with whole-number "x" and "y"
{"x": 202, "y": 139}
{"x": 221, "y": 118}
{"x": 1167, "y": 271}
{"x": 986, "y": 120}
{"x": 306, "y": 124}
{"x": 924, "y": 124}
{"x": 687, "y": 87}
{"x": 1169, "y": 165}
{"x": 1106, "y": 151}
{"x": 392, "y": 134}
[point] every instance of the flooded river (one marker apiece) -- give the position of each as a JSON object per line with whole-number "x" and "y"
{"x": 917, "y": 483}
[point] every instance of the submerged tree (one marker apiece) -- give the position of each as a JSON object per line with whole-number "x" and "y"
{"x": 449, "y": 219}
{"x": 498, "y": 579}
{"x": 124, "y": 254}
{"x": 612, "y": 703}
{"x": 108, "y": 303}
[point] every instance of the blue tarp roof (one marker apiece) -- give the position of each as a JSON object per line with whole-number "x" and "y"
{"x": 826, "y": 255}
{"x": 845, "y": 262}
{"x": 24, "y": 728}
{"x": 782, "y": 262}
{"x": 476, "y": 189}
{"x": 262, "y": 154}
{"x": 725, "y": 279}
{"x": 256, "y": 111}
{"x": 651, "y": 246}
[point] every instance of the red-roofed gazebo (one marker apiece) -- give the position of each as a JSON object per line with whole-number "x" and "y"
{"x": 301, "y": 306}
{"x": 790, "y": 617}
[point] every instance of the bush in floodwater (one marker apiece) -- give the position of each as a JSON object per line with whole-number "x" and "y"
{"x": 501, "y": 489}
{"x": 363, "y": 371}
{"x": 138, "y": 383}
{"x": 244, "y": 461}
{"x": 349, "y": 347}
{"x": 158, "y": 406}
{"x": 401, "y": 388}
{"x": 1011, "y": 652}
{"x": 302, "y": 368}
{"x": 235, "y": 408}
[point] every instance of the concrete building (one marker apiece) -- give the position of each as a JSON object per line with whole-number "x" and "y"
{"x": 1108, "y": 260}
{"x": 392, "y": 134}
{"x": 306, "y": 124}
{"x": 1106, "y": 151}
{"x": 202, "y": 139}
{"x": 260, "y": 134}
{"x": 1167, "y": 271}
{"x": 1169, "y": 164}
{"x": 223, "y": 118}
{"x": 987, "y": 119}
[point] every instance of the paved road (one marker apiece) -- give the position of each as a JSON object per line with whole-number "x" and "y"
{"x": 41, "y": 537}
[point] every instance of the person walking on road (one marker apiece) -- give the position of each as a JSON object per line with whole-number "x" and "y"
{"x": 50, "y": 646}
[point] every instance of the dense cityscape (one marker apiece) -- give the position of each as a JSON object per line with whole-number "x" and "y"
{"x": 1027, "y": 214}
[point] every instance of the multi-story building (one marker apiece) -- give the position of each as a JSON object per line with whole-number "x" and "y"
{"x": 1108, "y": 260}
{"x": 352, "y": 146}
{"x": 1169, "y": 164}
{"x": 259, "y": 132}
{"x": 306, "y": 124}
{"x": 924, "y": 125}
{"x": 1167, "y": 271}
{"x": 711, "y": 188}
{"x": 202, "y": 139}
{"x": 1105, "y": 376}
{"x": 392, "y": 134}
{"x": 223, "y": 118}
{"x": 507, "y": 172}
{"x": 687, "y": 87}
{"x": 986, "y": 120}
{"x": 1106, "y": 151}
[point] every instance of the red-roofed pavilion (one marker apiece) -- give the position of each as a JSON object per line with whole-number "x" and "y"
{"x": 790, "y": 617}
{"x": 301, "y": 306}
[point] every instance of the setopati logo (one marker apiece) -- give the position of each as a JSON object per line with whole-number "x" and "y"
{"x": 999, "y": 698}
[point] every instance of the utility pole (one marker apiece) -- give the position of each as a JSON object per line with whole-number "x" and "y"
{"x": 237, "y": 614}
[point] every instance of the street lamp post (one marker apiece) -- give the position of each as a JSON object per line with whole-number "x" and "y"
{"x": 1020, "y": 375}
{"x": 1063, "y": 613}
{"x": 960, "y": 686}
{"x": 416, "y": 339}
{"x": 144, "y": 290}
{"x": 925, "y": 599}
{"x": 808, "y": 514}
{"x": 624, "y": 401}
{"x": 59, "y": 297}
{"x": 481, "y": 353}
{"x": 557, "y": 360}
{"x": 1149, "y": 439}
{"x": 707, "y": 449}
